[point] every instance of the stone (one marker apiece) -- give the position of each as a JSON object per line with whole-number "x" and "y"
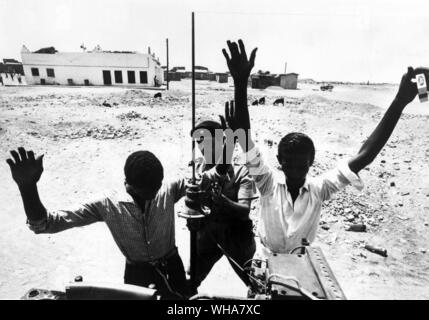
{"x": 403, "y": 218}
{"x": 350, "y": 217}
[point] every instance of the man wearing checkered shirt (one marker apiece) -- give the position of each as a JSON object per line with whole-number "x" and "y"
{"x": 141, "y": 219}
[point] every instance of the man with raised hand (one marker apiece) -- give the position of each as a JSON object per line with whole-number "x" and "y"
{"x": 228, "y": 230}
{"x": 141, "y": 219}
{"x": 291, "y": 201}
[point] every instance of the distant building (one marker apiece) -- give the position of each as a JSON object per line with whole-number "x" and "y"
{"x": 91, "y": 68}
{"x": 11, "y": 73}
{"x": 264, "y": 80}
{"x": 178, "y": 69}
{"x": 175, "y": 74}
{"x": 201, "y": 73}
{"x": 11, "y": 66}
{"x": 222, "y": 77}
{"x": 289, "y": 80}
{"x": 211, "y": 76}
{"x": 172, "y": 76}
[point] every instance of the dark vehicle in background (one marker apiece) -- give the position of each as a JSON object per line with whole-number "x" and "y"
{"x": 327, "y": 87}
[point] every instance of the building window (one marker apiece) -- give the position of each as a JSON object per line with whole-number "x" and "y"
{"x": 118, "y": 76}
{"x": 143, "y": 77}
{"x": 131, "y": 77}
{"x": 50, "y": 73}
{"x": 35, "y": 72}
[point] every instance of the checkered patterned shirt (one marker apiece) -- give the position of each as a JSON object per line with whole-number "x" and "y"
{"x": 141, "y": 237}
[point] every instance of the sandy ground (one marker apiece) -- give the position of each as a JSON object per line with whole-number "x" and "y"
{"x": 85, "y": 146}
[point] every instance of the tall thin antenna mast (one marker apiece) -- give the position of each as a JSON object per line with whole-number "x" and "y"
{"x": 193, "y": 233}
{"x": 193, "y": 97}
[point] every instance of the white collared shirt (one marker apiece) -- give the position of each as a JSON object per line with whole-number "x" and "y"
{"x": 282, "y": 223}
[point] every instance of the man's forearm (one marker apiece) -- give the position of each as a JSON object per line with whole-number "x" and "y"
{"x": 240, "y": 95}
{"x": 33, "y": 207}
{"x": 378, "y": 138}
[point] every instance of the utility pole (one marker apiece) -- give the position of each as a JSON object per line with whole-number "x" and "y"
{"x": 168, "y": 68}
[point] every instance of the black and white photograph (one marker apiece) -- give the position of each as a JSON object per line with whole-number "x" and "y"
{"x": 240, "y": 151}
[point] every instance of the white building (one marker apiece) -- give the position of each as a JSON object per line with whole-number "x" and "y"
{"x": 91, "y": 68}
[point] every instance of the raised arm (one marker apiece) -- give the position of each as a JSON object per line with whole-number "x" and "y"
{"x": 240, "y": 67}
{"x": 376, "y": 141}
{"x": 26, "y": 171}
{"x": 237, "y": 116}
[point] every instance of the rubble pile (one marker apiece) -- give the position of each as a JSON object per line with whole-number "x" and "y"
{"x": 348, "y": 208}
{"x": 100, "y": 133}
{"x": 130, "y": 116}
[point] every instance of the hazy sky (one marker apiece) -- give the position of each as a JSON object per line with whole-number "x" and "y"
{"x": 325, "y": 40}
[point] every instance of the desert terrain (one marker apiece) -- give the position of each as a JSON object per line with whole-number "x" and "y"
{"x": 86, "y": 143}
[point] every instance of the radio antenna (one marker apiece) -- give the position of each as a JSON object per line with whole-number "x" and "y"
{"x": 193, "y": 98}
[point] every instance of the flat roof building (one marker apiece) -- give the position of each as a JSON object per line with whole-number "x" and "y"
{"x": 264, "y": 80}
{"x": 91, "y": 68}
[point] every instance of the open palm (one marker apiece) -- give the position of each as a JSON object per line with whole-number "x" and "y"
{"x": 25, "y": 168}
{"x": 239, "y": 65}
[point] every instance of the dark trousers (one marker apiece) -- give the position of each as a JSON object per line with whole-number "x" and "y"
{"x": 167, "y": 274}
{"x": 236, "y": 239}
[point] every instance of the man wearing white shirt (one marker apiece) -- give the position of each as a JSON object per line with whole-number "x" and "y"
{"x": 291, "y": 202}
{"x": 287, "y": 218}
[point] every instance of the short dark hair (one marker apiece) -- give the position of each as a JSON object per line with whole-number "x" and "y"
{"x": 209, "y": 125}
{"x": 143, "y": 169}
{"x": 297, "y": 143}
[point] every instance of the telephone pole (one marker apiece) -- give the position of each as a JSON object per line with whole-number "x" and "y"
{"x": 168, "y": 67}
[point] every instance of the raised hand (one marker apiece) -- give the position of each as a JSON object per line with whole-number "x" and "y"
{"x": 407, "y": 89}
{"x": 381, "y": 134}
{"x": 238, "y": 64}
{"x": 237, "y": 114}
{"x": 229, "y": 119}
{"x": 26, "y": 169}
{"x": 236, "y": 119}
